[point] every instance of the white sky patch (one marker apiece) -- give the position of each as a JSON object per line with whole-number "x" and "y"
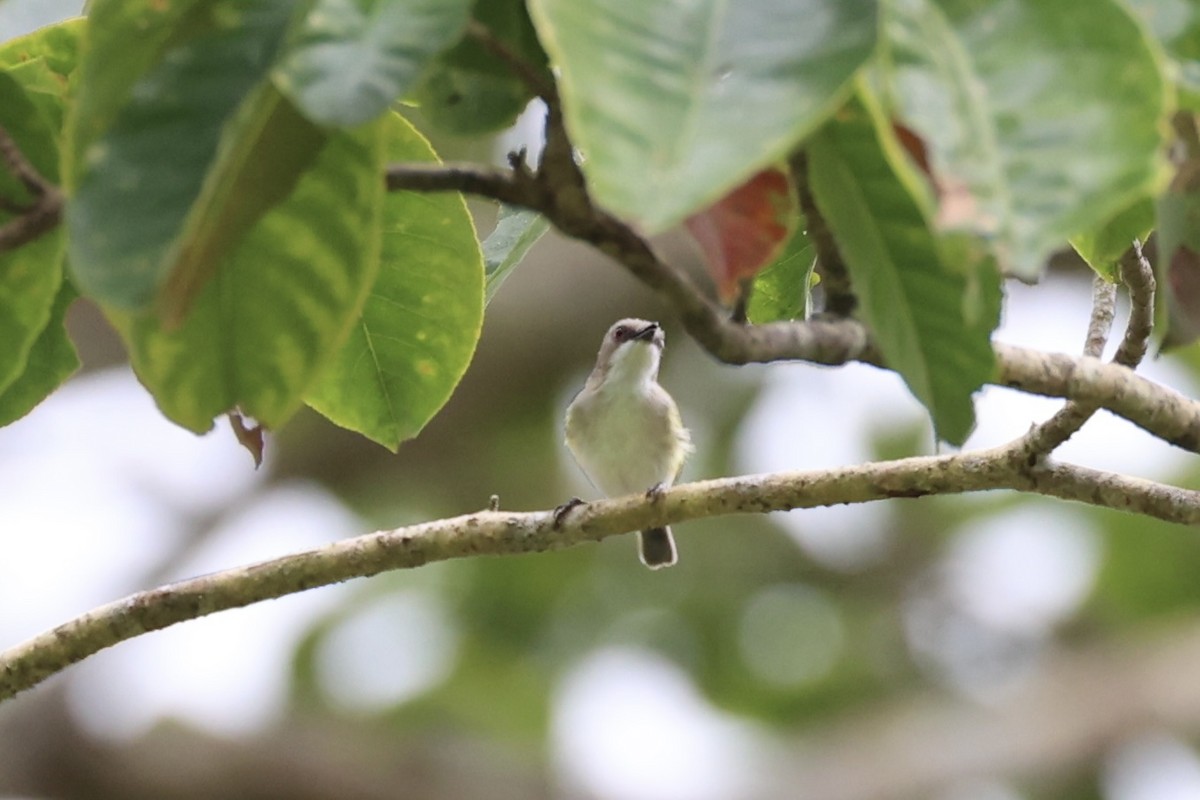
{"x": 1152, "y": 766}
{"x": 386, "y": 651}
{"x": 631, "y": 726}
{"x": 1024, "y": 571}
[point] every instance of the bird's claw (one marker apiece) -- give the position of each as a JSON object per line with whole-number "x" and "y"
{"x": 560, "y": 512}
{"x": 655, "y": 492}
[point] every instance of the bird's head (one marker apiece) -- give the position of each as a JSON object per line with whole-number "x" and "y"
{"x": 631, "y": 351}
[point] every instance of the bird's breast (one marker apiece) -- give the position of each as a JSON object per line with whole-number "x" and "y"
{"x": 627, "y": 442}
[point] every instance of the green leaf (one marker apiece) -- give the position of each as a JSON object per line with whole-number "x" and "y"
{"x": 280, "y": 305}
{"x": 31, "y": 274}
{"x": 1043, "y": 119}
{"x": 123, "y": 39}
{"x": 1103, "y": 247}
{"x": 509, "y": 22}
{"x": 30, "y": 277}
{"x": 783, "y": 291}
{"x": 42, "y": 62}
{"x": 44, "y": 89}
{"x": 148, "y": 147}
{"x": 351, "y": 58}
{"x": 264, "y": 151}
{"x": 517, "y": 230}
{"x": 52, "y": 360}
{"x": 419, "y": 325}
{"x": 57, "y": 45}
{"x": 1176, "y": 25}
{"x": 675, "y": 104}
{"x": 925, "y": 316}
{"x": 469, "y": 103}
{"x": 467, "y": 90}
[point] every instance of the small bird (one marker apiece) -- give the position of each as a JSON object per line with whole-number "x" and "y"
{"x": 625, "y": 430}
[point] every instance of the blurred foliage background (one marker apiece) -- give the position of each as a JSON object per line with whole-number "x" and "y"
{"x": 580, "y": 673}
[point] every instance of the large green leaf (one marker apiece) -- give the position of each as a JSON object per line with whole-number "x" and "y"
{"x": 29, "y": 275}
{"x": 351, "y": 58}
{"x": 266, "y": 148}
{"x": 1176, "y": 24}
{"x": 152, "y": 145}
{"x": 123, "y": 39}
{"x": 468, "y": 90}
{"x": 921, "y": 308}
{"x": 57, "y": 44}
{"x": 469, "y": 103}
{"x": 419, "y": 325}
{"x": 674, "y": 104}
{"x": 1043, "y": 119}
{"x": 42, "y": 62}
{"x": 52, "y": 359}
{"x": 280, "y": 305}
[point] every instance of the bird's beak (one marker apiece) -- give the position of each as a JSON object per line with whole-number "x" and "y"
{"x": 646, "y": 334}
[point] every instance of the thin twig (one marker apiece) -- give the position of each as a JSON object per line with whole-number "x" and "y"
{"x": 1104, "y": 307}
{"x": 1138, "y": 275}
{"x": 558, "y": 174}
{"x": 510, "y": 533}
{"x": 840, "y": 300}
{"x": 20, "y": 167}
{"x": 1045, "y": 437}
{"x": 36, "y": 218}
{"x": 1139, "y": 278}
{"x": 42, "y": 218}
{"x": 468, "y": 178}
{"x": 529, "y": 74}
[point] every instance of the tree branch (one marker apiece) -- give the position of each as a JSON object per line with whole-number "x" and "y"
{"x": 35, "y": 219}
{"x": 1160, "y": 411}
{"x": 1104, "y": 307}
{"x": 466, "y": 178}
{"x": 509, "y": 533}
{"x": 1139, "y": 277}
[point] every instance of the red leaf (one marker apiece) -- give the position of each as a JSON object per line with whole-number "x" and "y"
{"x": 745, "y": 230}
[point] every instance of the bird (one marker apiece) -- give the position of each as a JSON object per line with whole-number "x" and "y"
{"x": 624, "y": 429}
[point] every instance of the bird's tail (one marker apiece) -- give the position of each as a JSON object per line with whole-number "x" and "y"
{"x": 657, "y": 547}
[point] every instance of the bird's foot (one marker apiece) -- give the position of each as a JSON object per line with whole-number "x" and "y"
{"x": 560, "y": 512}
{"x": 655, "y": 492}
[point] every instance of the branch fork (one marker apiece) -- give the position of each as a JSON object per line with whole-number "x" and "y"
{"x": 34, "y": 218}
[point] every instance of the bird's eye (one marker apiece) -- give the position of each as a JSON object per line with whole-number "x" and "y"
{"x": 620, "y": 333}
